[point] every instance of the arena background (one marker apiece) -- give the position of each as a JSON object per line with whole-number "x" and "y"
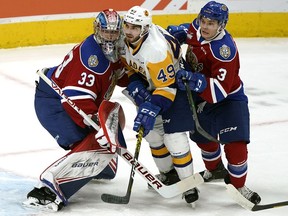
{"x": 34, "y": 22}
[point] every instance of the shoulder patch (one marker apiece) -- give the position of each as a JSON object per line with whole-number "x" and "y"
{"x": 225, "y": 51}
{"x": 93, "y": 61}
{"x": 92, "y": 57}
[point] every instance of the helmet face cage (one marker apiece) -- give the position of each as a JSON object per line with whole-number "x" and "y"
{"x": 139, "y": 16}
{"x": 107, "y": 30}
{"x": 215, "y": 11}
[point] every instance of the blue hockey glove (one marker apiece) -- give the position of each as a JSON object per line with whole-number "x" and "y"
{"x": 179, "y": 32}
{"x": 146, "y": 117}
{"x": 138, "y": 92}
{"x": 196, "y": 81}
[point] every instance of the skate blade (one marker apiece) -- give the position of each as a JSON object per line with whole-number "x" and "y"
{"x": 31, "y": 203}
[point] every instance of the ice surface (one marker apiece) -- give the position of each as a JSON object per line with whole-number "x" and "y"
{"x": 27, "y": 149}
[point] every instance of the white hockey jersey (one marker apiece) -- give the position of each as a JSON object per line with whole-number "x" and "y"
{"x": 156, "y": 58}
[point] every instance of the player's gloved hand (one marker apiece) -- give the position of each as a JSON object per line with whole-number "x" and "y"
{"x": 138, "y": 92}
{"x": 101, "y": 139}
{"x": 94, "y": 118}
{"x": 179, "y": 32}
{"x": 196, "y": 81}
{"x": 146, "y": 117}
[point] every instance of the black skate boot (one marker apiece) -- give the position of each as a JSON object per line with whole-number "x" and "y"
{"x": 43, "y": 198}
{"x": 168, "y": 178}
{"x": 218, "y": 174}
{"x": 246, "y": 192}
{"x": 250, "y": 195}
{"x": 191, "y": 195}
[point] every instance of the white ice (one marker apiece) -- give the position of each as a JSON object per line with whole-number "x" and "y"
{"x": 26, "y": 149}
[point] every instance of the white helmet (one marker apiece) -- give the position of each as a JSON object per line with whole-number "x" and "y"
{"x": 139, "y": 16}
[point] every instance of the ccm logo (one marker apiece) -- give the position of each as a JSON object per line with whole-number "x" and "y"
{"x": 228, "y": 130}
{"x": 149, "y": 112}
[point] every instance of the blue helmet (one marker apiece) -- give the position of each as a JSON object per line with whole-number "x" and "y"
{"x": 215, "y": 11}
{"x": 107, "y": 31}
{"x": 108, "y": 19}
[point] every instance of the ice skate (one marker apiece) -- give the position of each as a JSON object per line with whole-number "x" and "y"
{"x": 191, "y": 196}
{"x": 168, "y": 178}
{"x": 215, "y": 175}
{"x": 43, "y": 198}
{"x": 250, "y": 195}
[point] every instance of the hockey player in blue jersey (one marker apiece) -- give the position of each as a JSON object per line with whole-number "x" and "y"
{"x": 222, "y": 105}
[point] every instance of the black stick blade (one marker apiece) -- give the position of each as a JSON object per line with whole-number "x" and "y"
{"x": 110, "y": 198}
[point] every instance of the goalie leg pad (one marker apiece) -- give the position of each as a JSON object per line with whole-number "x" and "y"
{"x": 110, "y": 171}
{"x": 71, "y": 172}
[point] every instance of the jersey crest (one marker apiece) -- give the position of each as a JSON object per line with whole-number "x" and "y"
{"x": 93, "y": 61}
{"x": 225, "y": 51}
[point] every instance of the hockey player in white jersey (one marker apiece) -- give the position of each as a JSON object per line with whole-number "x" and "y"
{"x": 152, "y": 57}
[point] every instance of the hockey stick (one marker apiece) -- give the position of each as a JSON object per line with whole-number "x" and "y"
{"x": 164, "y": 190}
{"x": 199, "y": 129}
{"x": 110, "y": 198}
{"x": 242, "y": 201}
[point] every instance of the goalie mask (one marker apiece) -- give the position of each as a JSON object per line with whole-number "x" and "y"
{"x": 107, "y": 30}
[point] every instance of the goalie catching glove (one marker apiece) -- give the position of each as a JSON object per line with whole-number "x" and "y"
{"x": 111, "y": 117}
{"x": 100, "y": 136}
{"x": 102, "y": 140}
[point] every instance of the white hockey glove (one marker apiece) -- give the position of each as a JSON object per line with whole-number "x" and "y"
{"x": 101, "y": 139}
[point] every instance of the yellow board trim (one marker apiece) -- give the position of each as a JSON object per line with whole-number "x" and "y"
{"x": 73, "y": 31}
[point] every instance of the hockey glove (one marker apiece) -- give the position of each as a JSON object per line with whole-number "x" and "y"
{"x": 196, "y": 81}
{"x": 94, "y": 118}
{"x": 138, "y": 92}
{"x": 146, "y": 117}
{"x": 101, "y": 139}
{"x": 179, "y": 32}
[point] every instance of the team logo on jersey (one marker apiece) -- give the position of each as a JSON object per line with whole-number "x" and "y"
{"x": 93, "y": 61}
{"x": 225, "y": 51}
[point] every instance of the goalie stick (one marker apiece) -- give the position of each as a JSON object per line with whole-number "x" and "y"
{"x": 195, "y": 117}
{"x": 242, "y": 201}
{"x": 166, "y": 191}
{"x": 163, "y": 190}
{"x": 110, "y": 198}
